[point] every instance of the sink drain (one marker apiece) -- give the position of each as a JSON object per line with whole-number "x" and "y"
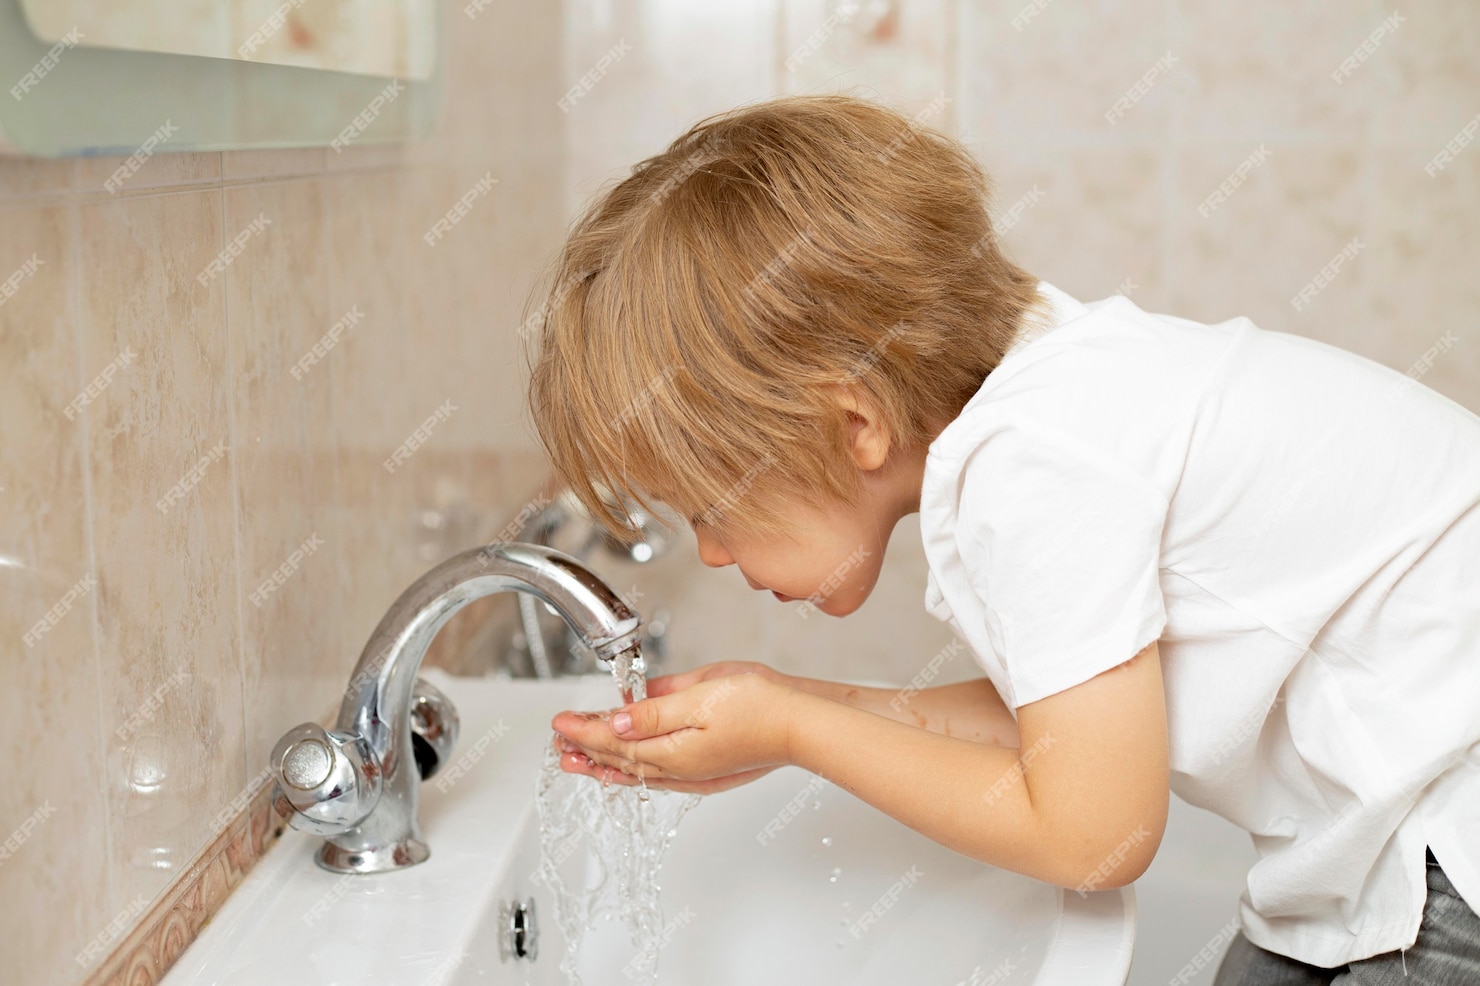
{"x": 520, "y": 938}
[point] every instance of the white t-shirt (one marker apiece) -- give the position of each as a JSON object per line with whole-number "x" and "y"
{"x": 1300, "y": 529}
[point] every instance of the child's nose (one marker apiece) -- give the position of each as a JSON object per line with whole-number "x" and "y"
{"x": 711, "y": 552}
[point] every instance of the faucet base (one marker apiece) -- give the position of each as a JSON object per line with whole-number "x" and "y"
{"x": 397, "y": 856}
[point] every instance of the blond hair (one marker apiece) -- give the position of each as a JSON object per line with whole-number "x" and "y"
{"x": 705, "y": 309}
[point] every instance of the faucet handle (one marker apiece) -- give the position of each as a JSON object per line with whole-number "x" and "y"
{"x": 434, "y": 727}
{"x": 330, "y": 781}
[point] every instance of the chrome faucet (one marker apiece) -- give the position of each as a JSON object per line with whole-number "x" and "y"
{"x": 565, "y": 522}
{"x": 357, "y": 785}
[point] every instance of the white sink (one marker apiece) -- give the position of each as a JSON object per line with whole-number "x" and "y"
{"x": 741, "y": 912}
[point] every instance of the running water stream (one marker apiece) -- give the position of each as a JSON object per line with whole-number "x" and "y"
{"x": 602, "y": 846}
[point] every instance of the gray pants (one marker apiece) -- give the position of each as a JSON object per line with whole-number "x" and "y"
{"x": 1447, "y": 953}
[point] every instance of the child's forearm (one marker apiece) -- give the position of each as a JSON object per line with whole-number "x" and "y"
{"x": 969, "y": 710}
{"x": 1046, "y": 812}
{"x": 939, "y": 786}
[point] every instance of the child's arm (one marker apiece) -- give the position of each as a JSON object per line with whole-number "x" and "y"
{"x": 969, "y": 710}
{"x": 1081, "y": 803}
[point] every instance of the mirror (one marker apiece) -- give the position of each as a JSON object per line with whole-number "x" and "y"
{"x": 70, "y": 93}
{"x": 369, "y": 37}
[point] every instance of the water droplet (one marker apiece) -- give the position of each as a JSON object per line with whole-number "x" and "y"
{"x": 837, "y": 872}
{"x": 817, "y": 806}
{"x": 827, "y": 840}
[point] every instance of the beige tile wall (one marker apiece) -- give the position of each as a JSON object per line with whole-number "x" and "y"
{"x": 157, "y": 695}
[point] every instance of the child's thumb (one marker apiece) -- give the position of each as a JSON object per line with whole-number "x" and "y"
{"x": 649, "y": 717}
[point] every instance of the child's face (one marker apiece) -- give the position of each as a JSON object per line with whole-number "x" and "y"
{"x": 832, "y": 561}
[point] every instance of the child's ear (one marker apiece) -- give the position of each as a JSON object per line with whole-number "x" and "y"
{"x": 866, "y": 428}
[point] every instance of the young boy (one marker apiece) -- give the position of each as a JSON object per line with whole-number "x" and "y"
{"x": 1236, "y": 564}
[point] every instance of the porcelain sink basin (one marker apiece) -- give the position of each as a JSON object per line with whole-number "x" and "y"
{"x": 786, "y": 880}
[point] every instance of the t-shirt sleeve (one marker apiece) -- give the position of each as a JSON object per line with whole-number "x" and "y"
{"x": 1062, "y": 543}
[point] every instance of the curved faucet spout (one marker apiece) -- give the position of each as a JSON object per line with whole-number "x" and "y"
{"x": 376, "y": 709}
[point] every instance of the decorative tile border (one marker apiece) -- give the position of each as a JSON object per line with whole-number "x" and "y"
{"x": 168, "y": 928}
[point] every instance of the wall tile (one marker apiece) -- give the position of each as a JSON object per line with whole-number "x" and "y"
{"x": 1274, "y": 234}
{"x": 375, "y": 406}
{"x": 1423, "y": 289}
{"x": 460, "y": 287}
{"x": 1432, "y": 78}
{"x": 1043, "y": 197}
{"x": 469, "y": 286}
{"x": 277, "y": 303}
{"x": 286, "y": 163}
{"x": 1264, "y": 70}
{"x": 1052, "y": 77}
{"x": 55, "y": 795}
{"x": 682, "y": 62}
{"x": 456, "y": 295}
{"x": 895, "y": 51}
{"x": 360, "y": 157}
{"x": 506, "y": 87}
{"x": 160, "y": 170}
{"x": 475, "y": 281}
{"x": 167, "y": 579}
{"x": 24, "y": 178}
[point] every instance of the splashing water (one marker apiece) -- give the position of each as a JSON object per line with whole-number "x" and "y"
{"x": 601, "y": 847}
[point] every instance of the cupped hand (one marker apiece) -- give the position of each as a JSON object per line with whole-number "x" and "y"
{"x": 697, "y": 734}
{"x": 573, "y": 761}
{"x": 670, "y": 683}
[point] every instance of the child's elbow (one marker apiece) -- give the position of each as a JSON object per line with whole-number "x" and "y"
{"x": 1114, "y": 858}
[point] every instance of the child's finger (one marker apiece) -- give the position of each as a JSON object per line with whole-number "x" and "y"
{"x": 582, "y": 728}
{"x": 579, "y": 763}
{"x": 618, "y": 758}
{"x": 653, "y": 716}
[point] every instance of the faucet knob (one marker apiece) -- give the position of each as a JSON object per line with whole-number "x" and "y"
{"x": 329, "y": 781}
{"x": 434, "y": 727}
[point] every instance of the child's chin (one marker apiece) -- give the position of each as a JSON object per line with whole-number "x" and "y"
{"x": 839, "y": 608}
